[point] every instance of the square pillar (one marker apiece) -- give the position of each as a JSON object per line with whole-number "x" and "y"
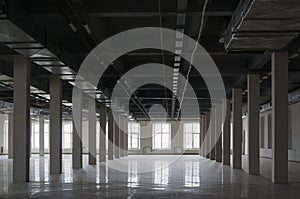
{"x": 212, "y": 133}
{"x": 10, "y": 135}
{"x": 207, "y": 136}
{"x": 116, "y": 138}
{"x": 77, "y": 135}
{"x": 280, "y": 117}
{"x": 226, "y": 135}
{"x": 92, "y": 131}
{"x": 42, "y": 134}
{"x": 126, "y": 136}
{"x": 102, "y": 148}
{"x": 253, "y": 124}
{"x": 110, "y": 135}
{"x": 237, "y": 127}
{"x": 122, "y": 137}
{"x": 55, "y": 125}
{"x": 21, "y": 120}
{"x": 218, "y": 131}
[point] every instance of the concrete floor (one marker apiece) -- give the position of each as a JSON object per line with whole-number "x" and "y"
{"x": 188, "y": 177}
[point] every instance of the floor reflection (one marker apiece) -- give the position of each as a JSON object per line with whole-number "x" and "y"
{"x": 192, "y": 174}
{"x": 161, "y": 173}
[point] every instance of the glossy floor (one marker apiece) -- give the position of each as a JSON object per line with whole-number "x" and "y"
{"x": 188, "y": 177}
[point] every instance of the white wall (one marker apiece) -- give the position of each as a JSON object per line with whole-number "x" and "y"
{"x": 265, "y": 133}
{"x": 176, "y": 137}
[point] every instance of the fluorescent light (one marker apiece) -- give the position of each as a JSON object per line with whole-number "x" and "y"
{"x": 178, "y": 52}
{"x": 72, "y": 27}
{"x": 178, "y": 44}
{"x": 177, "y": 58}
{"x": 176, "y": 64}
{"x": 87, "y": 28}
{"x": 176, "y": 69}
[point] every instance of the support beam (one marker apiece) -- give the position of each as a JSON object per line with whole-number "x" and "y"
{"x": 237, "y": 127}
{"x": 42, "y": 135}
{"x": 110, "y": 135}
{"x": 126, "y": 136}
{"x": 213, "y": 133}
{"x": 102, "y": 148}
{"x": 77, "y": 135}
{"x": 10, "y": 135}
{"x": 207, "y": 144}
{"x": 92, "y": 131}
{"x": 55, "y": 125}
{"x": 218, "y": 134}
{"x": 280, "y": 117}
{"x": 121, "y": 129}
{"x": 21, "y": 120}
{"x": 226, "y": 135}
{"x": 253, "y": 124}
{"x": 116, "y": 138}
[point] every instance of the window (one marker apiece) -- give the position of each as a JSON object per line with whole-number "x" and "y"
{"x": 133, "y": 135}
{"x": 191, "y": 135}
{"x": 67, "y": 135}
{"x": 35, "y": 135}
{"x": 161, "y": 136}
{"x": 5, "y": 135}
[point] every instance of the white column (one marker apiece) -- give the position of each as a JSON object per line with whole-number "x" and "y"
{"x": 55, "y": 124}
{"x": 42, "y": 135}
{"x": 253, "y": 124}
{"x": 226, "y": 135}
{"x": 10, "y": 135}
{"x": 218, "y": 131}
{"x": 116, "y": 138}
{"x": 77, "y": 135}
{"x": 280, "y": 117}
{"x": 121, "y": 125}
{"x": 201, "y": 135}
{"x": 21, "y": 121}
{"x": 126, "y": 135}
{"x": 102, "y": 142}
{"x": 92, "y": 131}
{"x": 207, "y": 144}
{"x": 237, "y": 127}
{"x": 110, "y": 135}
{"x": 212, "y": 133}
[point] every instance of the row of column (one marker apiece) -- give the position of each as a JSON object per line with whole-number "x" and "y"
{"x": 211, "y": 146}
{"x": 20, "y": 125}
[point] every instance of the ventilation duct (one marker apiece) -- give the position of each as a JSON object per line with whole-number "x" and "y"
{"x": 259, "y": 25}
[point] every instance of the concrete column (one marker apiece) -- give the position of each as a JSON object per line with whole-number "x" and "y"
{"x": 103, "y": 111}
{"x": 110, "y": 135}
{"x": 42, "y": 133}
{"x": 280, "y": 117}
{"x": 207, "y": 144}
{"x": 55, "y": 124}
{"x": 10, "y": 135}
{"x": 116, "y": 138}
{"x": 92, "y": 131}
{"x": 21, "y": 120}
{"x": 253, "y": 124}
{"x": 237, "y": 127}
{"x": 122, "y": 141}
{"x": 77, "y": 136}
{"x": 126, "y": 136}
{"x": 201, "y": 135}
{"x": 212, "y": 133}
{"x": 226, "y": 135}
{"x": 218, "y": 131}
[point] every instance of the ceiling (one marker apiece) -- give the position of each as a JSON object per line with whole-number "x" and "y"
{"x": 78, "y": 26}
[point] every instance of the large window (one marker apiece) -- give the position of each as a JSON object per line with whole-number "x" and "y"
{"x": 191, "y": 135}
{"x": 161, "y": 136}
{"x": 35, "y": 135}
{"x": 67, "y": 135}
{"x": 133, "y": 135}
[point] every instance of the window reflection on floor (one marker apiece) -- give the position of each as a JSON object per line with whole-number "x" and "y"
{"x": 133, "y": 177}
{"x": 191, "y": 177}
{"x": 161, "y": 173}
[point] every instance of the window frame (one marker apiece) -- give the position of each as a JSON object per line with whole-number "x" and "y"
{"x": 161, "y": 133}
{"x": 137, "y": 134}
{"x": 192, "y": 133}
